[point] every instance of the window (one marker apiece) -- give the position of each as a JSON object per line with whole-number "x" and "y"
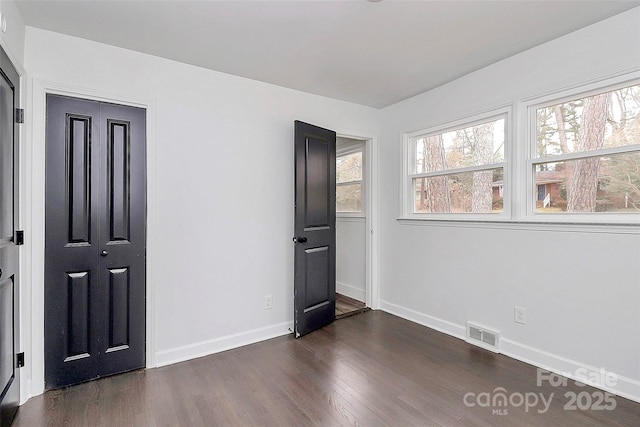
{"x": 458, "y": 171}
{"x": 575, "y": 160}
{"x": 349, "y": 183}
{"x": 585, "y": 154}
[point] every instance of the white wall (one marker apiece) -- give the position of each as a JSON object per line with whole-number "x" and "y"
{"x": 581, "y": 288}
{"x": 351, "y": 237}
{"x": 13, "y": 39}
{"x": 351, "y": 252}
{"x": 221, "y": 202}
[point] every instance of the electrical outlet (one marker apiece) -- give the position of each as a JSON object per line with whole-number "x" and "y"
{"x": 520, "y": 315}
{"x": 268, "y": 302}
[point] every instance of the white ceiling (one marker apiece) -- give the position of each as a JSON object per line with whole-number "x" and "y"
{"x": 369, "y": 53}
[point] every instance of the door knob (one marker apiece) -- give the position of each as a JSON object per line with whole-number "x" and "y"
{"x": 104, "y": 253}
{"x": 299, "y": 239}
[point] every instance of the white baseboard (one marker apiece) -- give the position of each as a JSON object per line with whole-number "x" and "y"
{"x": 572, "y": 369}
{"x": 443, "y": 326}
{"x": 351, "y": 291}
{"x": 205, "y": 348}
{"x": 628, "y": 388}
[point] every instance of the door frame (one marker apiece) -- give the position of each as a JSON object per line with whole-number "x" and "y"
{"x": 371, "y": 147}
{"x": 32, "y": 305}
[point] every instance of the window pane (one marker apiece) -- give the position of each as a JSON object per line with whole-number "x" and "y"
{"x": 610, "y": 119}
{"x": 349, "y": 167}
{"x": 471, "y": 146}
{"x": 470, "y": 192}
{"x": 349, "y": 198}
{"x": 593, "y": 184}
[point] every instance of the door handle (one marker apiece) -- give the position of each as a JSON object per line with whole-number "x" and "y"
{"x": 299, "y": 240}
{"x": 104, "y": 253}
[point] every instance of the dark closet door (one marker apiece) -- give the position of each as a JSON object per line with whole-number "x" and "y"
{"x": 315, "y": 228}
{"x": 95, "y": 240}
{"x": 9, "y": 314}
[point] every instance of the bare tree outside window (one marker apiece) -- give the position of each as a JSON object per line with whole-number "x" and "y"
{"x": 582, "y": 183}
{"x": 605, "y": 130}
{"x": 435, "y": 197}
{"x": 482, "y": 148}
{"x": 476, "y": 153}
{"x": 349, "y": 182}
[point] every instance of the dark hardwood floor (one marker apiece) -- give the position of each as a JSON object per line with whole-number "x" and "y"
{"x": 373, "y": 369}
{"x": 346, "y": 306}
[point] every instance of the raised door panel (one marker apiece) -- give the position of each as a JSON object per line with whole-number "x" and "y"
{"x": 119, "y": 180}
{"x": 317, "y": 268}
{"x": 119, "y": 306}
{"x": 78, "y": 178}
{"x": 78, "y": 310}
{"x": 317, "y": 203}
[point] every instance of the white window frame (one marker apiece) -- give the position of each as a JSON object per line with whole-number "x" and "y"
{"x": 359, "y": 147}
{"x": 527, "y": 196}
{"x": 409, "y": 161}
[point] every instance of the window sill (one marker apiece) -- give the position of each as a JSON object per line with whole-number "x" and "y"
{"x": 557, "y": 226}
{"x": 350, "y": 218}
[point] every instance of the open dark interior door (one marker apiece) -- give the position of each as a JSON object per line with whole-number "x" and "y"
{"x": 315, "y": 228}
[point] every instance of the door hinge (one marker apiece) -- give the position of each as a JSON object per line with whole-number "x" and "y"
{"x": 20, "y": 237}
{"x": 20, "y": 360}
{"x": 19, "y": 115}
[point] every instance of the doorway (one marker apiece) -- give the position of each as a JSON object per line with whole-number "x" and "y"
{"x": 95, "y": 240}
{"x": 320, "y": 192}
{"x": 352, "y": 170}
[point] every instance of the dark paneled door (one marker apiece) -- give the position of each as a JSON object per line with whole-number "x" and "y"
{"x": 9, "y": 375}
{"x": 315, "y": 228}
{"x": 95, "y": 240}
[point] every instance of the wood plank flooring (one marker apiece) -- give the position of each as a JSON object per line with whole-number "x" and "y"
{"x": 346, "y": 306}
{"x": 373, "y": 369}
